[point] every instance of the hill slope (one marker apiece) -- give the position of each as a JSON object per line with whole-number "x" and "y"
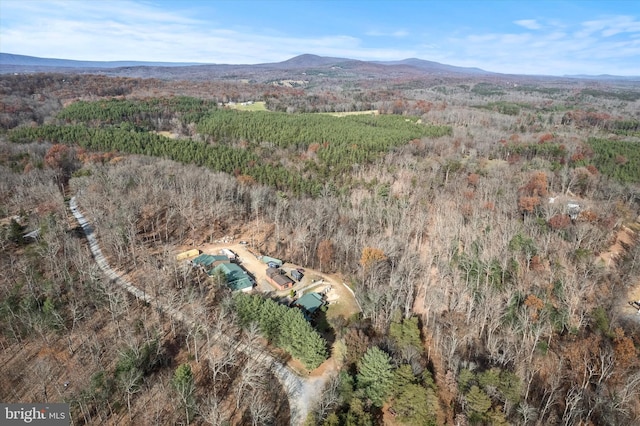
{"x": 23, "y": 60}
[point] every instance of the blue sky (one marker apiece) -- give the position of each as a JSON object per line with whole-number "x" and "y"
{"x": 524, "y": 37}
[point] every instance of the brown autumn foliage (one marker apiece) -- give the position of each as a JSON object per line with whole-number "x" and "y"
{"x": 588, "y": 216}
{"x": 246, "y": 180}
{"x": 559, "y": 221}
{"x": 592, "y": 169}
{"x": 57, "y": 156}
{"x": 626, "y": 352}
{"x": 357, "y": 342}
{"x": 326, "y": 253}
{"x": 528, "y": 204}
{"x": 535, "y": 304}
{"x": 370, "y": 256}
{"x": 537, "y": 185}
{"x": 473, "y": 179}
{"x": 621, "y": 159}
{"x": 546, "y": 137}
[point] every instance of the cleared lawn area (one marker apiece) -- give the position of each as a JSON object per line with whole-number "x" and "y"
{"x": 341, "y": 301}
{"x": 344, "y": 114}
{"x": 255, "y": 106}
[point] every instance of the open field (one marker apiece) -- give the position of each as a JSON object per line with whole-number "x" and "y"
{"x": 344, "y": 114}
{"x": 247, "y": 106}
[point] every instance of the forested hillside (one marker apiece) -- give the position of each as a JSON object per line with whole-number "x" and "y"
{"x": 478, "y": 223}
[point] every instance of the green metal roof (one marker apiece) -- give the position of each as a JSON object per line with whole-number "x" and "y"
{"x": 267, "y": 259}
{"x": 310, "y": 302}
{"x": 237, "y": 278}
{"x": 208, "y": 259}
{"x": 203, "y": 259}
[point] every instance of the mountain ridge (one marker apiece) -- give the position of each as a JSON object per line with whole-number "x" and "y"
{"x": 306, "y": 60}
{"x": 24, "y": 60}
{"x": 10, "y": 62}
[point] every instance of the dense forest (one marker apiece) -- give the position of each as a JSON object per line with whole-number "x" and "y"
{"x": 487, "y": 230}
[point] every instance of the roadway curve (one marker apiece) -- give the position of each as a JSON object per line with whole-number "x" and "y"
{"x": 301, "y": 392}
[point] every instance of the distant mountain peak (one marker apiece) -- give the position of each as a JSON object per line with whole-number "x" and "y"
{"x": 310, "y": 60}
{"x": 435, "y": 66}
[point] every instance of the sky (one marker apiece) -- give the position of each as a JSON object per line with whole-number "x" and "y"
{"x": 520, "y": 37}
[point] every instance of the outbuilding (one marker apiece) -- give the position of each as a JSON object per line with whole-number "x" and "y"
{"x": 230, "y": 254}
{"x": 188, "y": 254}
{"x": 268, "y": 259}
{"x": 278, "y": 280}
{"x": 297, "y": 275}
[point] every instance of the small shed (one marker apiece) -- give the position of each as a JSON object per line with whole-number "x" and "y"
{"x": 188, "y": 254}
{"x": 297, "y": 275}
{"x": 229, "y": 253}
{"x": 268, "y": 259}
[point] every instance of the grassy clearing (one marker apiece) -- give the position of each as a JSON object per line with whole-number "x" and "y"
{"x": 342, "y": 308}
{"x": 166, "y": 134}
{"x": 255, "y": 106}
{"x": 344, "y": 114}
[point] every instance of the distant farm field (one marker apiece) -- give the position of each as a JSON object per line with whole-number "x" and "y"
{"x": 344, "y": 114}
{"x": 244, "y": 106}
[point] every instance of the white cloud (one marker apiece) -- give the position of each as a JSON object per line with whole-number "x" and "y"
{"x": 378, "y": 33}
{"x": 610, "y": 26}
{"x": 585, "y": 48}
{"x": 530, "y": 24}
{"x": 125, "y": 30}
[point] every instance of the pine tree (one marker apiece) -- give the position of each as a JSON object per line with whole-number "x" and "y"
{"x": 406, "y": 333}
{"x": 414, "y": 404}
{"x": 478, "y": 403}
{"x": 375, "y": 375}
{"x": 184, "y": 385}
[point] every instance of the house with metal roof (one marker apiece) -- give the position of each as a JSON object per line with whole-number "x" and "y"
{"x": 209, "y": 261}
{"x": 237, "y": 278}
{"x": 277, "y": 278}
{"x": 309, "y": 303}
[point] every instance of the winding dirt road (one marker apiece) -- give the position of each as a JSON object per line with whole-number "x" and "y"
{"x": 301, "y": 392}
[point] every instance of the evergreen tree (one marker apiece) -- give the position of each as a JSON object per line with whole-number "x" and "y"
{"x": 357, "y": 416}
{"x": 15, "y": 232}
{"x": 184, "y": 384}
{"x": 478, "y": 403}
{"x": 375, "y": 375}
{"x": 406, "y": 333}
{"x": 286, "y": 327}
{"x": 414, "y": 404}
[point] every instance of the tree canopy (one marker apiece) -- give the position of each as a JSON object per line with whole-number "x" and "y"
{"x": 375, "y": 375}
